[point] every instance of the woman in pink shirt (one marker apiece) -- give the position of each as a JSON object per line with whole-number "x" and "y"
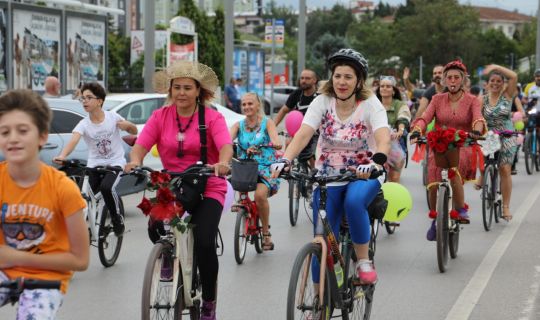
{"x": 174, "y": 129}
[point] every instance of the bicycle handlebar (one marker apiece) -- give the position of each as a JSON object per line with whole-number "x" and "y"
{"x": 202, "y": 171}
{"x": 20, "y": 284}
{"x": 76, "y": 163}
{"x": 345, "y": 176}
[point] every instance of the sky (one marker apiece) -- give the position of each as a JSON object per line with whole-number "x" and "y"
{"x": 528, "y": 7}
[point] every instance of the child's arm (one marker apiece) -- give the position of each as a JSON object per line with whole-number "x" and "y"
{"x": 127, "y": 126}
{"x": 76, "y": 259}
{"x": 68, "y": 148}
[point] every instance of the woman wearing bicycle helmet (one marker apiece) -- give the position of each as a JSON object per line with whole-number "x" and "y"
{"x": 353, "y": 125}
{"x": 460, "y": 110}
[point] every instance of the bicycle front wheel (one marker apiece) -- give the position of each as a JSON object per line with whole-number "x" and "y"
{"x": 240, "y": 236}
{"x": 530, "y": 153}
{"x": 442, "y": 228}
{"x": 109, "y": 244}
{"x": 294, "y": 201}
{"x": 360, "y": 298}
{"x": 162, "y": 293}
{"x": 303, "y": 301}
{"x": 488, "y": 197}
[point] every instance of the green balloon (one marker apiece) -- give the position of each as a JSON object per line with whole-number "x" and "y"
{"x": 519, "y": 125}
{"x": 399, "y": 201}
{"x": 430, "y": 126}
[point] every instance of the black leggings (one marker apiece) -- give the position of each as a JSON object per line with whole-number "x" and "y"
{"x": 106, "y": 184}
{"x": 206, "y": 219}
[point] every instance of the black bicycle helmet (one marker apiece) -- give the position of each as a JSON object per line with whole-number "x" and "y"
{"x": 351, "y": 55}
{"x": 537, "y": 73}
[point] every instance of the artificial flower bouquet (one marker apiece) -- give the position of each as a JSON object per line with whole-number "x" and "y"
{"x": 445, "y": 142}
{"x": 164, "y": 206}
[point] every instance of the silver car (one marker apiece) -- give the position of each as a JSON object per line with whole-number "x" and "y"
{"x": 281, "y": 94}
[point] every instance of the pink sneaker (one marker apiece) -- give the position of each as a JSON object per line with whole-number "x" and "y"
{"x": 366, "y": 272}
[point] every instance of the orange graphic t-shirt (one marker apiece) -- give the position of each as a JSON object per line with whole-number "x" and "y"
{"x": 33, "y": 219}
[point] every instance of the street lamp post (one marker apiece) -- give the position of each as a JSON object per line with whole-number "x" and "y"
{"x": 301, "y": 37}
{"x": 538, "y": 36}
{"x": 149, "y": 34}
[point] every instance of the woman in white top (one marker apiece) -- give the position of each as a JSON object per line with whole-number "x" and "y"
{"x": 353, "y": 126}
{"x": 101, "y": 132}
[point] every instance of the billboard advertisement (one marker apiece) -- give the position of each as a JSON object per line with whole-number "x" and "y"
{"x": 137, "y": 43}
{"x": 179, "y": 52}
{"x": 256, "y": 72}
{"x": 85, "y": 51}
{"x": 3, "y": 48}
{"x": 36, "y": 44}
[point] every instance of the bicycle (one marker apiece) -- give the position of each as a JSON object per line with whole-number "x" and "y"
{"x": 16, "y": 287}
{"x": 491, "y": 188}
{"x": 448, "y": 229}
{"x": 299, "y": 188}
{"x": 171, "y": 283}
{"x": 248, "y": 228}
{"x": 96, "y": 213}
{"x": 531, "y": 143}
{"x": 353, "y": 298}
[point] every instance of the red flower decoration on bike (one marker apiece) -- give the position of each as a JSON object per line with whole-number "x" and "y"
{"x": 442, "y": 139}
{"x": 165, "y": 195}
{"x": 145, "y": 206}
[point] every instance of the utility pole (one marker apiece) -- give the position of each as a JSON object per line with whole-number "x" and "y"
{"x": 149, "y": 34}
{"x": 229, "y": 40}
{"x": 538, "y": 36}
{"x": 302, "y": 37}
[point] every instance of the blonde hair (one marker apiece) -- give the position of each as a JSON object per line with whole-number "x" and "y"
{"x": 260, "y": 110}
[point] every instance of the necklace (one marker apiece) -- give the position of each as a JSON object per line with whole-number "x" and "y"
{"x": 255, "y": 126}
{"x": 181, "y": 133}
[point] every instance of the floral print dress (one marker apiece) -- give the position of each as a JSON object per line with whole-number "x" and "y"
{"x": 499, "y": 118}
{"x": 267, "y": 156}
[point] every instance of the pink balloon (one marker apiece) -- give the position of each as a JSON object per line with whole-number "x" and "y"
{"x": 519, "y": 139}
{"x": 517, "y": 116}
{"x": 229, "y": 198}
{"x": 293, "y": 122}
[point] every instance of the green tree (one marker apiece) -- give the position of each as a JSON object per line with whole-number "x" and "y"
{"x": 336, "y": 22}
{"x": 440, "y": 31}
{"x": 321, "y": 51}
{"x": 374, "y": 40}
{"x": 496, "y": 47}
{"x": 210, "y": 32}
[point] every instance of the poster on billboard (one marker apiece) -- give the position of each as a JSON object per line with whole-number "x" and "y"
{"x": 240, "y": 68}
{"x": 36, "y": 48}
{"x": 179, "y": 52}
{"x": 85, "y": 51}
{"x": 256, "y": 72}
{"x": 137, "y": 44}
{"x": 3, "y": 48}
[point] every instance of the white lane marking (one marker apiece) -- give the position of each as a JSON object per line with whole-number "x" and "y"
{"x": 469, "y": 297}
{"x": 533, "y": 295}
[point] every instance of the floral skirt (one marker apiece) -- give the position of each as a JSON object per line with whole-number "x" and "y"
{"x": 469, "y": 161}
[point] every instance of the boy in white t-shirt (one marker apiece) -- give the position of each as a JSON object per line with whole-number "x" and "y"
{"x": 101, "y": 132}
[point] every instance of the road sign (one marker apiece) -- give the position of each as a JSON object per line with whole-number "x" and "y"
{"x": 279, "y": 32}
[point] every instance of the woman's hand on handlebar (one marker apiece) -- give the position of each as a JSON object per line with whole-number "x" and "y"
{"x": 221, "y": 169}
{"x": 59, "y": 160}
{"x": 130, "y": 166}
{"x": 278, "y": 166}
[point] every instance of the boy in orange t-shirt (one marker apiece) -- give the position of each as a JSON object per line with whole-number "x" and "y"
{"x": 43, "y": 234}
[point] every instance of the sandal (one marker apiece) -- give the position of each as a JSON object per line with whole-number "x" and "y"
{"x": 506, "y": 216}
{"x": 267, "y": 242}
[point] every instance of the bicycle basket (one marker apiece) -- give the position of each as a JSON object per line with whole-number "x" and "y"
{"x": 244, "y": 175}
{"x": 377, "y": 208}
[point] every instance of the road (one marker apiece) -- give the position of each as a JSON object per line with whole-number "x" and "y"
{"x": 495, "y": 276}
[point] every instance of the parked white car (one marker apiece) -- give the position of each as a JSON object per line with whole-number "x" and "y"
{"x": 281, "y": 94}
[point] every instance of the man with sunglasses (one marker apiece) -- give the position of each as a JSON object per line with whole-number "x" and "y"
{"x": 101, "y": 132}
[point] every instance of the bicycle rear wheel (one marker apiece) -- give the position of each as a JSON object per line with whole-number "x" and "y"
{"x": 360, "y": 297}
{"x": 109, "y": 244}
{"x": 442, "y": 228}
{"x": 240, "y": 236}
{"x": 453, "y": 240}
{"x": 530, "y": 154}
{"x": 258, "y": 238}
{"x": 294, "y": 201}
{"x": 537, "y": 154}
{"x": 488, "y": 197}
{"x": 162, "y": 293}
{"x": 303, "y": 301}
